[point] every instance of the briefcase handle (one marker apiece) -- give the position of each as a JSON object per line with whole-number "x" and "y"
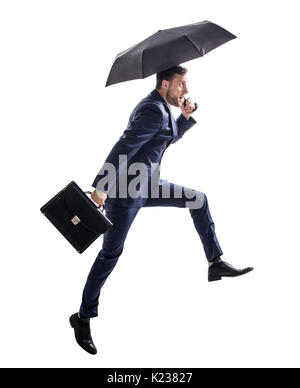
{"x": 99, "y": 207}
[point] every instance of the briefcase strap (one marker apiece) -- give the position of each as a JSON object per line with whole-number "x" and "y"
{"x": 99, "y": 207}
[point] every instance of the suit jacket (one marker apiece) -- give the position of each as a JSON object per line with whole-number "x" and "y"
{"x": 151, "y": 129}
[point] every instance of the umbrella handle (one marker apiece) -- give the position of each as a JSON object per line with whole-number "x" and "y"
{"x": 196, "y": 105}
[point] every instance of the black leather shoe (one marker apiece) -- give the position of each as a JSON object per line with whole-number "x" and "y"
{"x": 222, "y": 269}
{"x": 83, "y": 333}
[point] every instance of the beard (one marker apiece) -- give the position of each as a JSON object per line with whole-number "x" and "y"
{"x": 172, "y": 100}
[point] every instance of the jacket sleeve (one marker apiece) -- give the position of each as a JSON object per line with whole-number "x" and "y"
{"x": 142, "y": 126}
{"x": 183, "y": 125}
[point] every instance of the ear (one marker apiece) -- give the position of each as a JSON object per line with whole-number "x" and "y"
{"x": 165, "y": 84}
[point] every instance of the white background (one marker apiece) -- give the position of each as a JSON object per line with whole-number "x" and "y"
{"x": 58, "y": 123}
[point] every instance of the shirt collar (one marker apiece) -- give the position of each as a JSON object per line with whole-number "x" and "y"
{"x": 156, "y": 94}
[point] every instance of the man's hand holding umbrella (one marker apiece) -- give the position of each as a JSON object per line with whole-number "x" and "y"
{"x": 187, "y": 107}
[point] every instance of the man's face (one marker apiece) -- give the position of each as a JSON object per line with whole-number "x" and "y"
{"x": 176, "y": 90}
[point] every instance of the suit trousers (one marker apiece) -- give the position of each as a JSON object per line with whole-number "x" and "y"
{"x": 122, "y": 217}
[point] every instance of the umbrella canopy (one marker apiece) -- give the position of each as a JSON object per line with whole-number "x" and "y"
{"x": 165, "y": 49}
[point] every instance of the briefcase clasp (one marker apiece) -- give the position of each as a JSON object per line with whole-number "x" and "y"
{"x": 75, "y": 220}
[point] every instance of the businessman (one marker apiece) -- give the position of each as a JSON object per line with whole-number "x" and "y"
{"x": 129, "y": 180}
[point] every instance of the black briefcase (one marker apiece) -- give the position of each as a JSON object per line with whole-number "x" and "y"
{"x": 76, "y": 216}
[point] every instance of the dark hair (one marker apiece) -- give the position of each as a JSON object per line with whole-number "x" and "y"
{"x": 169, "y": 74}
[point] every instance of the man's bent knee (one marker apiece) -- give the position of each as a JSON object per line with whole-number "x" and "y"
{"x": 196, "y": 200}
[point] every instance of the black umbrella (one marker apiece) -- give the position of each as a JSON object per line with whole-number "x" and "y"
{"x": 165, "y": 49}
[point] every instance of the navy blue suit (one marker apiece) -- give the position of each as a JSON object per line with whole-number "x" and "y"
{"x": 150, "y": 130}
